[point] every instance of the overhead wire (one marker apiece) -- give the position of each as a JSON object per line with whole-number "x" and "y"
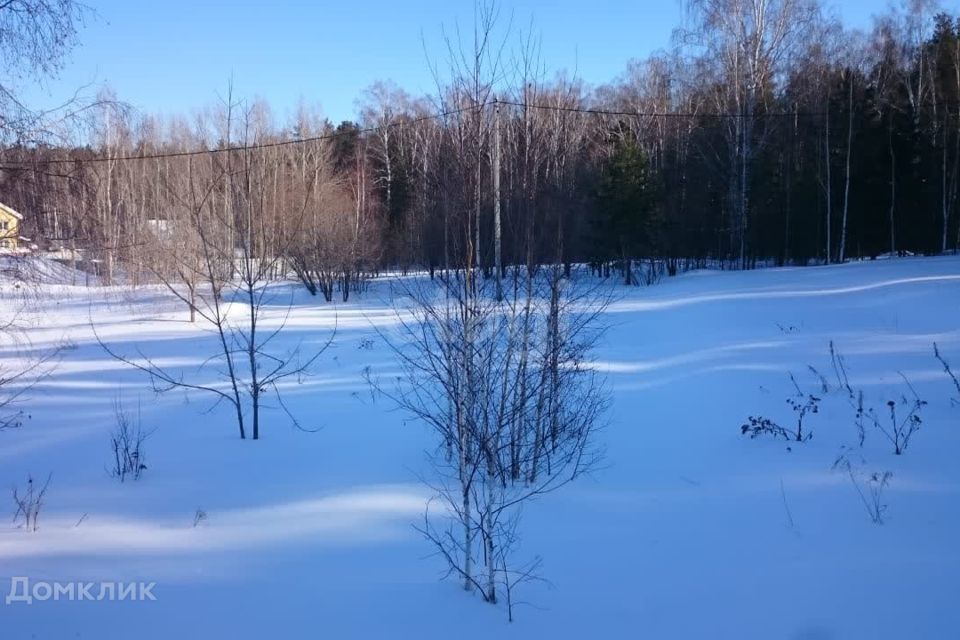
{"x": 399, "y": 123}
{"x": 242, "y": 148}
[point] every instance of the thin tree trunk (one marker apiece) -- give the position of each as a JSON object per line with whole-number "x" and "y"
{"x": 826, "y": 154}
{"x": 789, "y": 204}
{"x": 893, "y": 188}
{"x": 252, "y": 354}
{"x": 489, "y": 552}
{"x": 497, "y": 258}
{"x": 943, "y": 182}
{"x": 746, "y": 150}
{"x": 846, "y": 187}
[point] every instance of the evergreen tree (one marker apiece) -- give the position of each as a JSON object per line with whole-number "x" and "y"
{"x": 628, "y": 220}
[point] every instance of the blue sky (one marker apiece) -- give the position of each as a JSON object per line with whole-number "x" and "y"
{"x": 174, "y": 56}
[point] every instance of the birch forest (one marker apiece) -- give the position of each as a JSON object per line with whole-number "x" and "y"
{"x": 765, "y": 133}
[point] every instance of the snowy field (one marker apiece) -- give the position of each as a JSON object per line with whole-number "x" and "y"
{"x": 691, "y": 530}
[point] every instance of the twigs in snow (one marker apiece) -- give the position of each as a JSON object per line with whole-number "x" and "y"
{"x": 869, "y": 485}
{"x": 126, "y": 443}
{"x": 898, "y": 427}
{"x": 803, "y": 404}
{"x": 30, "y": 503}
{"x": 949, "y": 372}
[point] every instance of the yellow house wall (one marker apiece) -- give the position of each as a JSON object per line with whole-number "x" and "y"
{"x": 9, "y": 236}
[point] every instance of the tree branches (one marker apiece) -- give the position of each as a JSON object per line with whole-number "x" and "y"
{"x": 948, "y": 371}
{"x": 506, "y": 389}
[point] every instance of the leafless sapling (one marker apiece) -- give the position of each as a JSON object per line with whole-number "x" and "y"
{"x": 127, "y": 444}
{"x": 237, "y": 251}
{"x": 949, "y": 372}
{"x": 869, "y": 485}
{"x": 29, "y": 503}
{"x": 506, "y": 388}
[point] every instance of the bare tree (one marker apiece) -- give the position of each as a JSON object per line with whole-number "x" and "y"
{"x": 24, "y": 366}
{"x": 379, "y": 109}
{"x": 337, "y": 243}
{"x": 748, "y": 43}
{"x": 239, "y": 249}
{"x": 508, "y": 392}
{"x": 853, "y": 69}
{"x": 902, "y": 72}
{"x": 35, "y": 38}
{"x": 948, "y": 371}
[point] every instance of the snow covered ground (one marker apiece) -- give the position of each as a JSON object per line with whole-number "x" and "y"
{"x": 690, "y": 531}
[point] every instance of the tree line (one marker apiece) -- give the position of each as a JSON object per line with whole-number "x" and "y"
{"x": 765, "y": 133}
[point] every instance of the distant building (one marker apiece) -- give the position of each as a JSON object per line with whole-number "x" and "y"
{"x": 10, "y": 220}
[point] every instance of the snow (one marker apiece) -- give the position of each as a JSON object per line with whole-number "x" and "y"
{"x": 690, "y": 530}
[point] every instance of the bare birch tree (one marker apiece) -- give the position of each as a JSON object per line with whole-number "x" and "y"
{"x": 507, "y": 390}
{"x": 748, "y": 43}
{"x": 239, "y": 249}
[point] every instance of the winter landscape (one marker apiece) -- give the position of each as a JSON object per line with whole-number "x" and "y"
{"x": 531, "y": 354}
{"x": 763, "y": 537}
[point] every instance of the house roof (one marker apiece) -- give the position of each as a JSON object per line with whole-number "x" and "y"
{"x": 11, "y": 211}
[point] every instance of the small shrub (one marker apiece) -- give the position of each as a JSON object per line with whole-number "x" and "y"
{"x": 947, "y": 370}
{"x": 759, "y": 426}
{"x": 840, "y": 370}
{"x": 126, "y": 442}
{"x": 898, "y": 426}
{"x": 898, "y": 429}
{"x": 803, "y": 404}
{"x": 869, "y": 485}
{"x": 29, "y": 503}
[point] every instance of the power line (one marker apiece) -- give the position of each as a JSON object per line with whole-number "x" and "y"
{"x": 434, "y": 116}
{"x": 251, "y": 147}
{"x": 661, "y": 114}
{"x": 414, "y": 121}
{"x": 924, "y": 107}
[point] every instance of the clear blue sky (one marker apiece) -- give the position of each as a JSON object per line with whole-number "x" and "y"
{"x": 174, "y": 56}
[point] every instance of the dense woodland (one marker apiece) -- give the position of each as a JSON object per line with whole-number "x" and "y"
{"x": 765, "y": 133}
